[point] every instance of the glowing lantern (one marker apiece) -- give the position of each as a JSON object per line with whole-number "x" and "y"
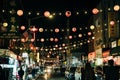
{"x": 40, "y": 29}
{"x": 51, "y": 39}
{"x": 57, "y": 30}
{"x": 89, "y": 33}
{"x": 46, "y": 13}
{"x": 63, "y": 44}
{"x": 33, "y": 29}
{"x": 5, "y": 24}
{"x": 70, "y": 37}
{"x": 80, "y": 35}
{"x": 112, "y": 23}
{"x": 14, "y": 40}
{"x": 42, "y": 40}
{"x": 56, "y": 40}
{"x": 22, "y": 40}
{"x": 22, "y": 27}
{"x": 32, "y": 40}
{"x": 92, "y": 27}
{"x": 95, "y": 11}
{"x": 32, "y": 48}
{"x": 116, "y": 7}
{"x": 74, "y": 29}
{"x": 68, "y": 13}
{"x": 19, "y": 12}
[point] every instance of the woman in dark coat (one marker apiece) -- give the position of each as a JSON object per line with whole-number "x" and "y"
{"x": 21, "y": 73}
{"x": 88, "y": 72}
{"x": 1, "y": 73}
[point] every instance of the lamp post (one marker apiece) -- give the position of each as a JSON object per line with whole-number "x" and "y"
{"x": 69, "y": 55}
{"x": 33, "y": 29}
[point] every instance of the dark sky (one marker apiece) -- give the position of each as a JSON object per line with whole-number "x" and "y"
{"x": 60, "y": 21}
{"x": 60, "y": 6}
{"x": 57, "y": 6}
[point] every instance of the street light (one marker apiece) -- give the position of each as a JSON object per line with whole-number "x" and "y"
{"x": 33, "y": 28}
{"x": 69, "y": 55}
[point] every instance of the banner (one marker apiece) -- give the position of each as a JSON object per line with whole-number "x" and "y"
{"x": 10, "y": 27}
{"x": 112, "y": 27}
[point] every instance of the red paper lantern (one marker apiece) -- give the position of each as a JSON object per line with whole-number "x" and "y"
{"x": 116, "y": 7}
{"x": 68, "y": 13}
{"x": 57, "y": 30}
{"x": 95, "y": 11}
{"x": 46, "y": 13}
{"x": 74, "y": 29}
{"x": 19, "y": 12}
{"x": 22, "y": 27}
{"x": 112, "y": 23}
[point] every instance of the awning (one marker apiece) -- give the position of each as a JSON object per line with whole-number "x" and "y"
{"x": 7, "y": 52}
{"x": 115, "y": 50}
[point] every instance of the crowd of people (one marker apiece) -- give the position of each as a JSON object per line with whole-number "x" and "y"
{"x": 29, "y": 73}
{"x": 109, "y": 72}
{"x": 87, "y": 72}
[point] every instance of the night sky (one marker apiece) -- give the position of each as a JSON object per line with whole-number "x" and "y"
{"x": 60, "y": 21}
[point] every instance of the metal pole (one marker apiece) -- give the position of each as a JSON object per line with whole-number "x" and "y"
{"x": 68, "y": 42}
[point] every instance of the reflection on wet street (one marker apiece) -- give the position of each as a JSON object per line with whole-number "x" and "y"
{"x": 52, "y": 76}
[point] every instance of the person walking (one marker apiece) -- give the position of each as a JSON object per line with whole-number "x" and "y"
{"x": 111, "y": 72}
{"x": 88, "y": 72}
{"x": 1, "y": 73}
{"x": 21, "y": 73}
{"x": 78, "y": 73}
{"x": 99, "y": 73}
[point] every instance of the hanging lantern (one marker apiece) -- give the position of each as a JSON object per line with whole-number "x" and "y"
{"x": 56, "y": 39}
{"x": 42, "y": 39}
{"x": 40, "y": 29}
{"x": 57, "y": 30}
{"x": 33, "y": 29}
{"x": 112, "y": 23}
{"x": 46, "y": 13}
{"x": 74, "y": 29}
{"x": 70, "y": 37}
{"x": 5, "y": 24}
{"x": 68, "y": 13}
{"x": 22, "y": 27}
{"x": 80, "y": 35}
{"x": 32, "y": 40}
{"x": 89, "y": 33}
{"x": 116, "y": 7}
{"x": 95, "y": 11}
{"x": 92, "y": 27}
{"x": 19, "y": 12}
{"x": 51, "y": 39}
{"x": 22, "y": 40}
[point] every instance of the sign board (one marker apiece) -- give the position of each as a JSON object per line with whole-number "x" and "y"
{"x": 12, "y": 35}
{"x": 10, "y": 27}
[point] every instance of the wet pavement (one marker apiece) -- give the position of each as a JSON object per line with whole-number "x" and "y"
{"x": 53, "y": 76}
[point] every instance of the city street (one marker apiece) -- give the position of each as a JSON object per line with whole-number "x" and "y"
{"x": 59, "y": 39}
{"x": 55, "y": 76}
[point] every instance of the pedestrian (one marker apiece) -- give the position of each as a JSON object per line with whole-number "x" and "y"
{"x": 78, "y": 73}
{"x": 21, "y": 73}
{"x": 1, "y": 73}
{"x": 111, "y": 72}
{"x": 88, "y": 72}
{"x": 99, "y": 73}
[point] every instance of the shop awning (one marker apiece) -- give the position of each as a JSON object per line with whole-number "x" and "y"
{"x": 115, "y": 50}
{"x": 7, "y": 52}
